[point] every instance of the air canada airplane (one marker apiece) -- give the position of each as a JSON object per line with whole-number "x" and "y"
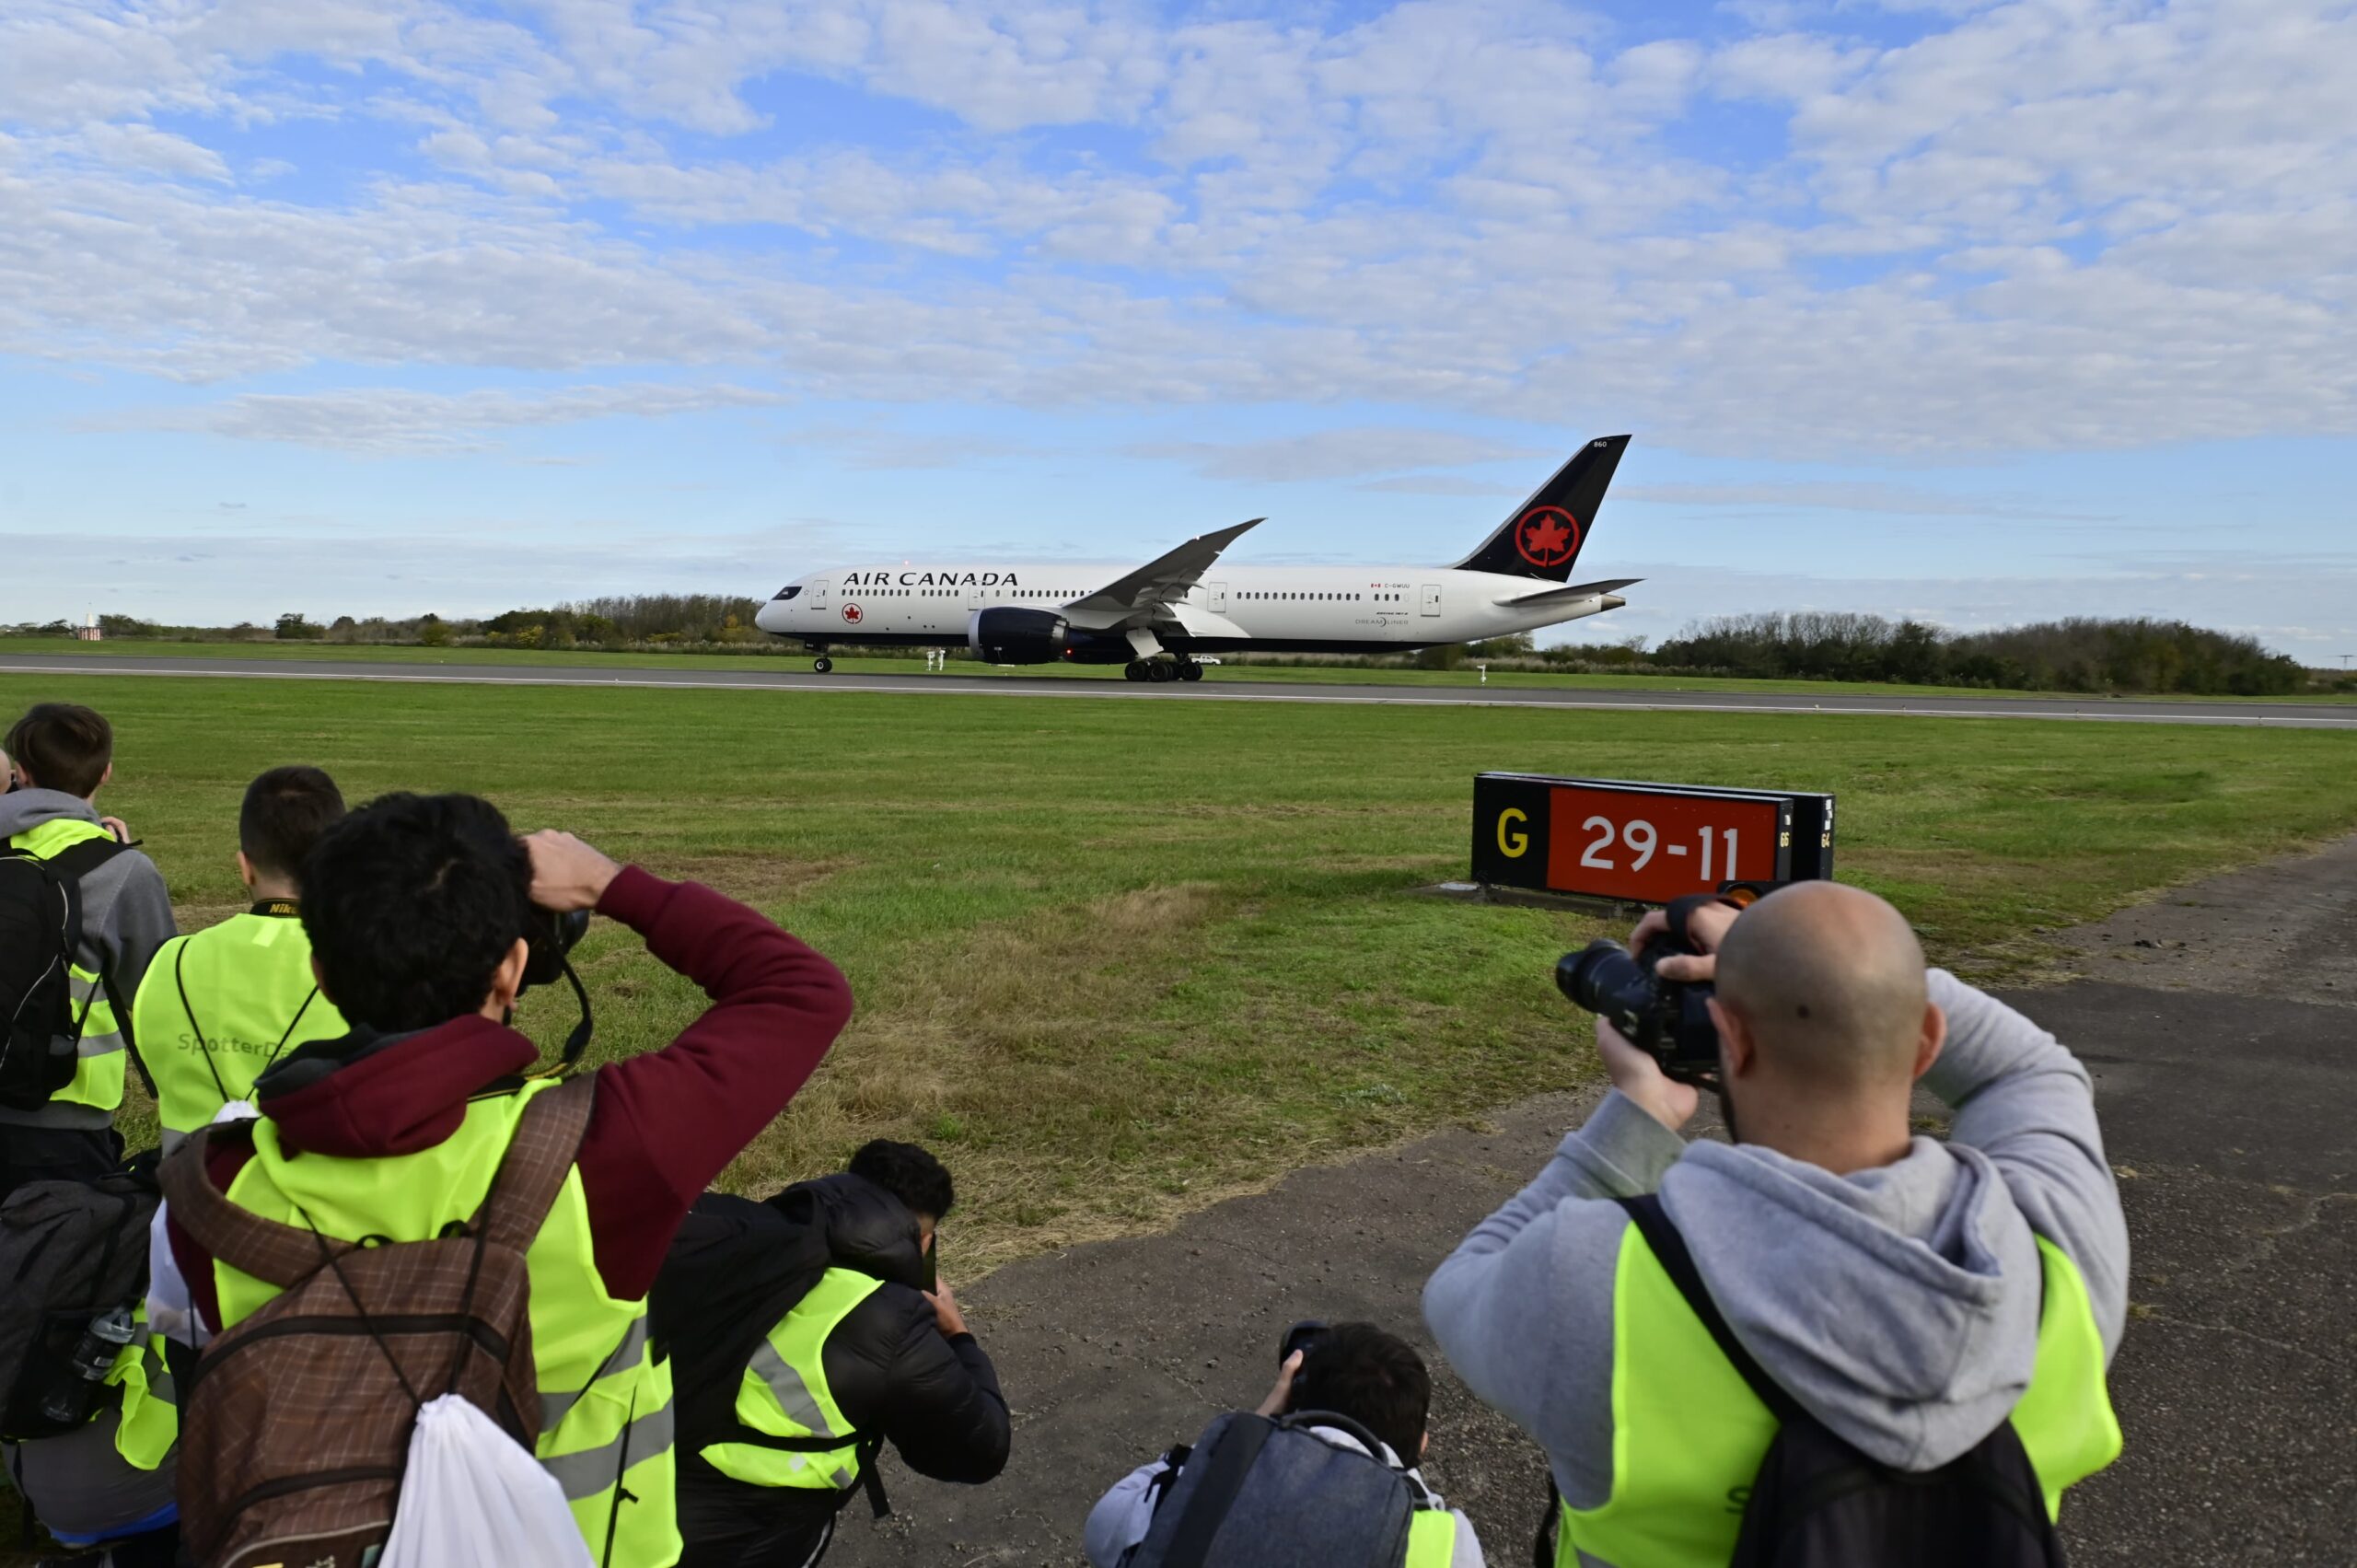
{"x": 1158, "y": 619}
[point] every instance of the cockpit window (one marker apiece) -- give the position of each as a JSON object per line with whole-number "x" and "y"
{"x": 789, "y": 590}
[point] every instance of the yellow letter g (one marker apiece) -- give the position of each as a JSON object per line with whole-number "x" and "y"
{"x": 1512, "y": 845}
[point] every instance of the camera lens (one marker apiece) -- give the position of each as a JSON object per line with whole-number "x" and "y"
{"x": 1593, "y": 977}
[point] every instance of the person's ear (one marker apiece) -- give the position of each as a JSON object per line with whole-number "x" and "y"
{"x": 245, "y": 871}
{"x": 508, "y": 979}
{"x": 1936, "y": 1035}
{"x": 1738, "y": 1053}
{"x": 319, "y": 979}
{"x": 1423, "y": 1445}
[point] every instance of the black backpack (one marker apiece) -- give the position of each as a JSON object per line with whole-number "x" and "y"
{"x": 1256, "y": 1493}
{"x": 70, "y": 1252}
{"x": 40, "y": 932}
{"x": 1819, "y": 1502}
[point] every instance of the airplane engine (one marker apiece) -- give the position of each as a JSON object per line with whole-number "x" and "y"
{"x": 1008, "y": 635}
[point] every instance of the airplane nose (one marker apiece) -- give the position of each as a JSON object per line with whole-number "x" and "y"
{"x": 771, "y": 617}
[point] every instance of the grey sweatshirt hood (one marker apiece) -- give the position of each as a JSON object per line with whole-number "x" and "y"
{"x": 1899, "y": 1306}
{"x": 21, "y": 810}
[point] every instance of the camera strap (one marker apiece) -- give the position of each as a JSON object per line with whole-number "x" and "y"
{"x": 577, "y": 1042}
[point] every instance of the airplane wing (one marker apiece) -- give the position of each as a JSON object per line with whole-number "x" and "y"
{"x": 1166, "y": 578}
{"x": 1566, "y": 594}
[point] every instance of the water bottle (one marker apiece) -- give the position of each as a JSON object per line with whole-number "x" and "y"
{"x": 71, "y": 1402}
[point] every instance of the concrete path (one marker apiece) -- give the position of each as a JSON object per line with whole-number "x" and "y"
{"x": 1213, "y": 688}
{"x": 2219, "y": 1024}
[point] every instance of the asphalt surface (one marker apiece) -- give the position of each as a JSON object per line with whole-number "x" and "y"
{"x": 2218, "y": 1023}
{"x": 2278, "y": 716}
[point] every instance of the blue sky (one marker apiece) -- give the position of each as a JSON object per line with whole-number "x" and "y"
{"x": 1975, "y": 312}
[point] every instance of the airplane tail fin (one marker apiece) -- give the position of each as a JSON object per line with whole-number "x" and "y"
{"x": 1542, "y": 537}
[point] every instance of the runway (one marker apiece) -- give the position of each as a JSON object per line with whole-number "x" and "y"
{"x": 1211, "y": 689}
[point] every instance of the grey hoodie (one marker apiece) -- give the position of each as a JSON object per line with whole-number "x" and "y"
{"x": 1900, "y": 1305}
{"x": 126, "y": 915}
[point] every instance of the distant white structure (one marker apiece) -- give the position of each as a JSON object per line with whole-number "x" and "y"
{"x": 90, "y": 632}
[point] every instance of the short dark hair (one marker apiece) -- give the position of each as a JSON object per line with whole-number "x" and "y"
{"x": 63, "y": 746}
{"x": 285, "y": 811}
{"x": 411, "y": 903}
{"x": 909, "y": 1173}
{"x": 1374, "y": 1378}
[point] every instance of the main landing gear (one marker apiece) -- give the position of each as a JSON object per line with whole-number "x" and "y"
{"x": 1161, "y": 670}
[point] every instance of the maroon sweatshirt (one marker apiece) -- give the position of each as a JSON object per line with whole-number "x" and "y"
{"x": 664, "y": 1124}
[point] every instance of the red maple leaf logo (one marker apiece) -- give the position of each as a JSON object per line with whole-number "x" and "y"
{"x": 850, "y": 613}
{"x": 1547, "y": 536}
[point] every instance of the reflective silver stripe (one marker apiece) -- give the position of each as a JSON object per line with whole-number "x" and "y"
{"x": 594, "y": 1471}
{"x": 555, "y": 1407}
{"x": 792, "y": 1395}
{"x": 88, "y": 997}
{"x": 91, "y": 1045}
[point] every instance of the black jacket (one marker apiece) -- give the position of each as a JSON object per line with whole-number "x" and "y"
{"x": 736, "y": 1267}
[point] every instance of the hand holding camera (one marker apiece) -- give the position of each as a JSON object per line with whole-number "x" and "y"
{"x": 1651, "y": 1001}
{"x": 567, "y": 875}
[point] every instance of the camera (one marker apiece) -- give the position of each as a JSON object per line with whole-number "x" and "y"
{"x": 551, "y": 936}
{"x": 1305, "y": 1337}
{"x": 1669, "y": 1020}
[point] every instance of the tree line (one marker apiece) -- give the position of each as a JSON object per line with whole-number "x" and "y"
{"x": 2079, "y": 654}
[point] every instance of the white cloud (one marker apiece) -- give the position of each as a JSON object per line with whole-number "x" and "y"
{"x": 1334, "y": 454}
{"x": 1848, "y": 496}
{"x": 380, "y": 422}
{"x": 2038, "y": 226}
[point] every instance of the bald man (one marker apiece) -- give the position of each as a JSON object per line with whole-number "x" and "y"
{"x": 1902, "y": 1289}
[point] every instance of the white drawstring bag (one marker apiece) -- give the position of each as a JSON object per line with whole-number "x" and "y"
{"x": 472, "y": 1494}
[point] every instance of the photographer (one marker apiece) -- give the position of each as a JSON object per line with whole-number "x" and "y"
{"x": 818, "y": 1317}
{"x": 219, "y": 1007}
{"x": 419, "y": 912}
{"x": 1347, "y": 1399}
{"x": 1902, "y": 1291}
{"x": 60, "y": 756}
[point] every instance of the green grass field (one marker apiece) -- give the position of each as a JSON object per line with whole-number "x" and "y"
{"x": 1120, "y": 959}
{"x": 784, "y": 657}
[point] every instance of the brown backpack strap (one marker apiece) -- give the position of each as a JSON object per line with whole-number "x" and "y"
{"x": 280, "y": 1255}
{"x": 539, "y": 1156}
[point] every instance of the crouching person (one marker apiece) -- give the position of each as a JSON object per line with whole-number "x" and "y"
{"x": 412, "y": 1218}
{"x": 806, "y": 1333}
{"x": 1324, "y": 1472}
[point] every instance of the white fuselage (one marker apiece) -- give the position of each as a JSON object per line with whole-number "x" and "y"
{"x": 1273, "y": 609}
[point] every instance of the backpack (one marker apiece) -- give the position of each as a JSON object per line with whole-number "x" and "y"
{"x": 70, "y": 1252}
{"x": 41, "y": 933}
{"x": 1819, "y": 1502}
{"x": 1256, "y": 1492}
{"x": 295, "y": 1424}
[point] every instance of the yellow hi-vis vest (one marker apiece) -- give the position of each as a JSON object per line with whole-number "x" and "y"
{"x": 783, "y": 1394}
{"x": 1432, "y": 1538}
{"x": 222, "y": 1005}
{"x": 97, "y": 1074}
{"x": 150, "y": 1420}
{"x": 1688, "y": 1434}
{"x": 606, "y": 1416}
